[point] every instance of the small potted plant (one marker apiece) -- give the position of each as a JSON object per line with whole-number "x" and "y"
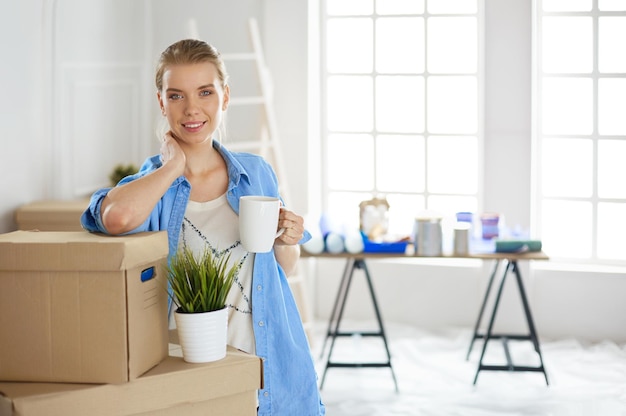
{"x": 199, "y": 286}
{"x": 120, "y": 171}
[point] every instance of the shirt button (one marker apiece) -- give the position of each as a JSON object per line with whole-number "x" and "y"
{"x": 258, "y": 288}
{"x": 266, "y": 393}
{"x": 261, "y": 323}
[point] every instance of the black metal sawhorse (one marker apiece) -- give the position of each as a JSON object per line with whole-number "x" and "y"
{"x": 511, "y": 266}
{"x": 336, "y": 316}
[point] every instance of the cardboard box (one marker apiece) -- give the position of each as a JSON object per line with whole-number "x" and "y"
{"x": 78, "y": 307}
{"x": 173, "y": 388}
{"x": 51, "y": 215}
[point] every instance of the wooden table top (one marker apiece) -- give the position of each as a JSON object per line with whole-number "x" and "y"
{"x": 529, "y": 255}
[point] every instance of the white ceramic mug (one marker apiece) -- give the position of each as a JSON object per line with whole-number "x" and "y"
{"x": 258, "y": 220}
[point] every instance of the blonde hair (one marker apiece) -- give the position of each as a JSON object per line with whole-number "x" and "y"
{"x": 190, "y": 51}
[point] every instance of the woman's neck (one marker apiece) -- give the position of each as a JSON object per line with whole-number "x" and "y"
{"x": 206, "y": 172}
{"x": 202, "y": 159}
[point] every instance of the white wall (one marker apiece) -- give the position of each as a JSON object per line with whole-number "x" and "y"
{"x": 22, "y": 112}
{"x": 80, "y": 82}
{"x": 43, "y": 149}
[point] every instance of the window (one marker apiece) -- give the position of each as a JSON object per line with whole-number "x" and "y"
{"x": 581, "y": 128}
{"x": 400, "y": 107}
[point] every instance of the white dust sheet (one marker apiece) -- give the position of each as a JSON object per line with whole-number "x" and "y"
{"x": 434, "y": 378}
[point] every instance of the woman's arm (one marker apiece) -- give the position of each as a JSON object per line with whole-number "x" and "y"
{"x": 127, "y": 206}
{"x": 287, "y": 257}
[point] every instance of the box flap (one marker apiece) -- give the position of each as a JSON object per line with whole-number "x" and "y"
{"x": 78, "y": 250}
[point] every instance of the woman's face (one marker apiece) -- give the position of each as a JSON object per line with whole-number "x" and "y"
{"x": 193, "y": 101}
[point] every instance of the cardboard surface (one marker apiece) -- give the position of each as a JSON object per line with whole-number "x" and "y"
{"x": 78, "y": 307}
{"x": 51, "y": 215}
{"x": 173, "y": 388}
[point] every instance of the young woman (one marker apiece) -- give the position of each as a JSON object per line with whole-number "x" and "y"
{"x": 192, "y": 190}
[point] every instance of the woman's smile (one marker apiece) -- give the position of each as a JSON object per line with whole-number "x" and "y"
{"x": 193, "y": 126}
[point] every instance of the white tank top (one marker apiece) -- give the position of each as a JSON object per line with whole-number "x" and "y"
{"x": 215, "y": 225}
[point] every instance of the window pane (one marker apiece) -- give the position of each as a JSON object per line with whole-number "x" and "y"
{"x": 350, "y": 103}
{"x": 569, "y": 176}
{"x": 349, "y": 7}
{"x": 452, "y": 105}
{"x": 400, "y": 104}
{"x": 400, "y": 7}
{"x": 448, "y": 206}
{"x": 351, "y": 161}
{"x": 452, "y": 6}
{"x": 560, "y": 221}
{"x": 452, "y": 165}
{"x": 452, "y": 45}
{"x": 612, "y": 106}
{"x": 566, "y": 5}
{"x": 567, "y": 44}
{"x": 612, "y": 5}
{"x": 567, "y": 106}
{"x": 349, "y": 45}
{"x": 611, "y": 169}
{"x": 611, "y": 53}
{"x": 402, "y": 212}
{"x": 611, "y": 226}
{"x": 343, "y": 210}
{"x": 400, "y": 163}
{"x": 400, "y": 57}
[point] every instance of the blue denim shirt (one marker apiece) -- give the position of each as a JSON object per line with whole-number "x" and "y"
{"x": 289, "y": 377}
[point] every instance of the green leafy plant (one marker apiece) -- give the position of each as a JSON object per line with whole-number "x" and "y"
{"x": 121, "y": 171}
{"x": 200, "y": 283}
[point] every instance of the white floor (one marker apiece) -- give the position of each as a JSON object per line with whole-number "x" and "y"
{"x": 434, "y": 378}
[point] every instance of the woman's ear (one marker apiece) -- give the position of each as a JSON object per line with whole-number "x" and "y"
{"x": 159, "y": 98}
{"x": 226, "y": 97}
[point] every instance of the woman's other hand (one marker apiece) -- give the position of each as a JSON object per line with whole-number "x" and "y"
{"x": 293, "y": 225}
{"x": 172, "y": 154}
{"x": 286, "y": 248}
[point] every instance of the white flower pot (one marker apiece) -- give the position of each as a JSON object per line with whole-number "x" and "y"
{"x": 202, "y": 336}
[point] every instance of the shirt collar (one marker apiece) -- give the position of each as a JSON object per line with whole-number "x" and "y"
{"x": 236, "y": 171}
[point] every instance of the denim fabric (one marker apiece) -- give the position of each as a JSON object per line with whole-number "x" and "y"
{"x": 290, "y": 381}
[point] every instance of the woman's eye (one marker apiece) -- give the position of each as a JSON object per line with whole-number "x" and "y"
{"x": 205, "y": 93}
{"x": 175, "y": 97}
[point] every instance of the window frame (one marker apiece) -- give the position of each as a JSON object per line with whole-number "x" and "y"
{"x": 538, "y": 200}
{"x": 479, "y": 133}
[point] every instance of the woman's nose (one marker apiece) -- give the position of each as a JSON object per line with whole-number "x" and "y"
{"x": 192, "y": 106}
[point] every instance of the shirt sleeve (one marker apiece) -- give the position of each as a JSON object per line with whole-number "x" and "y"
{"x": 91, "y": 220}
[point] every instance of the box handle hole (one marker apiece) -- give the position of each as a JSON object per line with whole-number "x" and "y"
{"x": 147, "y": 274}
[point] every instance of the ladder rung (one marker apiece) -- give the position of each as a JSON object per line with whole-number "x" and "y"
{"x": 247, "y": 100}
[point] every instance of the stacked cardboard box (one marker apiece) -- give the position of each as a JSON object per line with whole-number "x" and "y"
{"x": 51, "y": 215}
{"x": 81, "y": 308}
{"x": 89, "y": 309}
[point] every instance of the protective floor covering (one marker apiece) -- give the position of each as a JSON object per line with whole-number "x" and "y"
{"x": 434, "y": 378}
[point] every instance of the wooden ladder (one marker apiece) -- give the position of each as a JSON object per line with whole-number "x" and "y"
{"x": 267, "y": 144}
